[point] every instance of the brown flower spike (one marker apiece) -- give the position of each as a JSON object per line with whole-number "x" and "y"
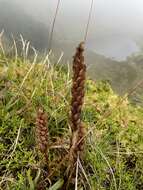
{"x": 78, "y": 91}
{"x": 42, "y": 132}
{"x": 77, "y": 127}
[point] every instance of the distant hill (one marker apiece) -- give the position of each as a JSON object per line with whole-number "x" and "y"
{"x": 15, "y": 21}
{"x": 122, "y": 75}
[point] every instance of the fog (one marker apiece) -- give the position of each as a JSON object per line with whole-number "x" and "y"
{"x": 124, "y": 16}
{"x": 114, "y": 36}
{"x": 115, "y": 28}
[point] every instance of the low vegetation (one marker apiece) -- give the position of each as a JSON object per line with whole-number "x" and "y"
{"x": 113, "y": 150}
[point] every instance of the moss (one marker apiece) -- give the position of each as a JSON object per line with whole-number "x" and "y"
{"x": 114, "y": 145}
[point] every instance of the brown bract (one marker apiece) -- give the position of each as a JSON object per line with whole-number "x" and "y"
{"x": 42, "y": 130}
{"x": 78, "y": 92}
{"x": 78, "y": 89}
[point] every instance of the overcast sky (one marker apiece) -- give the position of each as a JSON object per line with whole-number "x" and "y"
{"x": 125, "y": 16}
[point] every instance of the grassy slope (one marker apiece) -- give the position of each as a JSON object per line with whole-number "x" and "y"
{"x": 114, "y": 146}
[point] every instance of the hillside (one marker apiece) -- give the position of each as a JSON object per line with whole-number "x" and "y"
{"x": 113, "y": 151}
{"x": 122, "y": 75}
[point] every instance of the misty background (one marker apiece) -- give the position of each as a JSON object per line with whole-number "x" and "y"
{"x": 115, "y": 38}
{"x": 115, "y": 28}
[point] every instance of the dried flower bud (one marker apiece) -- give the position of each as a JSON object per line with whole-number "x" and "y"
{"x": 42, "y": 131}
{"x": 78, "y": 91}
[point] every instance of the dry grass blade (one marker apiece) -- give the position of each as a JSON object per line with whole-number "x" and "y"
{"x": 15, "y": 48}
{"x": 32, "y": 66}
{"x": 97, "y": 149}
{"x": 1, "y": 44}
{"x": 76, "y": 178}
{"x": 84, "y": 173}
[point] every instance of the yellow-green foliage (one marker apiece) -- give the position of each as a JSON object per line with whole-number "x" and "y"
{"x": 114, "y": 141}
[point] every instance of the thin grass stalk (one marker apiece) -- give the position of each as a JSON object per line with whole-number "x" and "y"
{"x": 53, "y": 25}
{"x": 1, "y": 43}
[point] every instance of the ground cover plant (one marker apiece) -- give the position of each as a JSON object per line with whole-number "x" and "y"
{"x": 38, "y": 91}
